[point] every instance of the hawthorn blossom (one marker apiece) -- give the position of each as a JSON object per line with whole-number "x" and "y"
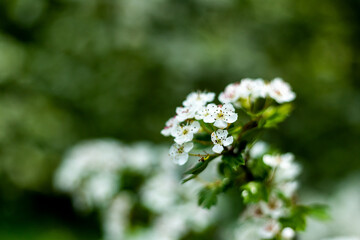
{"x": 170, "y": 125}
{"x": 280, "y": 91}
{"x": 179, "y": 153}
{"x": 253, "y": 88}
{"x": 205, "y": 112}
{"x": 278, "y": 160}
{"x": 185, "y": 133}
{"x": 220, "y": 115}
{"x": 231, "y": 93}
{"x": 220, "y": 139}
{"x": 184, "y": 113}
{"x": 286, "y": 168}
{"x": 273, "y": 208}
{"x": 270, "y": 229}
{"x": 288, "y": 233}
{"x": 198, "y": 99}
{"x": 288, "y": 188}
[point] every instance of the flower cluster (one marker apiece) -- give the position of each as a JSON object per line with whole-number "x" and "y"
{"x": 229, "y": 132}
{"x": 200, "y": 115}
{"x": 249, "y": 89}
{"x": 95, "y": 173}
{"x": 268, "y": 213}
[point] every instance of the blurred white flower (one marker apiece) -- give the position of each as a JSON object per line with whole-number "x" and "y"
{"x": 159, "y": 193}
{"x": 270, "y": 229}
{"x": 284, "y": 166}
{"x": 288, "y": 188}
{"x": 280, "y": 91}
{"x": 258, "y": 149}
{"x": 220, "y": 139}
{"x": 116, "y": 217}
{"x": 221, "y": 115}
{"x": 89, "y": 170}
{"x": 273, "y": 208}
{"x": 288, "y": 233}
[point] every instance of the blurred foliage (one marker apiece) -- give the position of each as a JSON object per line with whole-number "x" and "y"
{"x": 78, "y": 69}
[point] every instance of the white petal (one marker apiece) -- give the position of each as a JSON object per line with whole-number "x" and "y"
{"x": 220, "y": 124}
{"x": 228, "y": 141}
{"x": 230, "y": 118}
{"x": 181, "y": 159}
{"x": 209, "y": 119}
{"x": 188, "y": 146}
{"x": 195, "y": 126}
{"x": 218, "y": 148}
{"x": 228, "y": 107}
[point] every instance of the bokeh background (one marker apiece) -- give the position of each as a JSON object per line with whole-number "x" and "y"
{"x": 80, "y": 69}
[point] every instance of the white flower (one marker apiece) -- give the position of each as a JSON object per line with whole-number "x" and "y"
{"x": 184, "y": 113}
{"x": 258, "y": 149}
{"x": 220, "y": 115}
{"x": 270, "y": 229}
{"x": 116, "y": 217}
{"x": 179, "y": 153}
{"x": 185, "y": 133}
{"x": 288, "y": 233}
{"x": 205, "y": 112}
{"x": 288, "y": 188}
{"x": 280, "y": 91}
{"x": 198, "y": 99}
{"x": 253, "y": 88}
{"x": 278, "y": 160}
{"x": 273, "y": 208}
{"x": 231, "y": 93}
{"x": 286, "y": 168}
{"x": 220, "y": 138}
{"x": 170, "y": 125}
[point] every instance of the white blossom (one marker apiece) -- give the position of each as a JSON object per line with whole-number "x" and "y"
{"x": 284, "y": 165}
{"x": 198, "y": 99}
{"x": 231, "y": 93}
{"x": 184, "y": 113}
{"x": 220, "y": 139}
{"x": 252, "y": 88}
{"x": 221, "y": 115}
{"x": 270, "y": 229}
{"x": 288, "y": 233}
{"x": 278, "y": 160}
{"x": 185, "y": 133}
{"x": 258, "y": 149}
{"x": 179, "y": 153}
{"x": 170, "y": 125}
{"x": 280, "y": 91}
{"x": 116, "y": 217}
{"x": 273, "y": 208}
{"x": 288, "y": 188}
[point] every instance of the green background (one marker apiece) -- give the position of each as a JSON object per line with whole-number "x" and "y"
{"x": 80, "y": 69}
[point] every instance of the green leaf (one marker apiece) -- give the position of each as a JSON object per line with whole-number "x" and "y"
{"x": 318, "y": 211}
{"x": 275, "y": 115}
{"x": 208, "y": 197}
{"x": 198, "y": 168}
{"x": 233, "y": 161}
